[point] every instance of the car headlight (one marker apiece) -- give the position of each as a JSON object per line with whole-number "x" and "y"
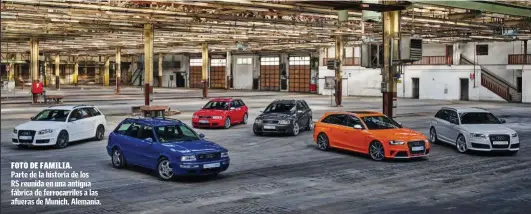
{"x": 195, "y": 116}
{"x": 224, "y": 154}
{"x": 217, "y": 117}
{"x": 513, "y": 135}
{"x": 258, "y": 121}
{"x": 283, "y": 122}
{"x": 396, "y": 142}
{"x": 15, "y": 131}
{"x": 188, "y": 158}
{"x": 45, "y": 131}
{"x": 476, "y": 135}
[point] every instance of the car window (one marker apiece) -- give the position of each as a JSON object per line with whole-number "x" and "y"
{"x": 234, "y": 104}
{"x": 337, "y": 119}
{"x": 146, "y": 132}
{"x": 52, "y": 115}
{"x": 92, "y": 111}
{"x": 133, "y": 130}
{"x": 122, "y": 128}
{"x": 173, "y": 133}
{"x": 300, "y": 106}
{"x": 351, "y": 121}
{"x": 216, "y": 105}
{"x": 279, "y": 107}
{"x": 443, "y": 114}
{"x": 452, "y": 117}
{"x": 76, "y": 114}
{"x": 479, "y": 118}
{"x": 380, "y": 122}
{"x": 306, "y": 106}
{"x": 241, "y": 103}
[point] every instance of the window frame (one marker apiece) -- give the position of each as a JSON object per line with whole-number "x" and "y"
{"x": 119, "y": 125}
{"x": 335, "y": 115}
{"x": 482, "y": 49}
{"x": 354, "y": 118}
{"x": 456, "y": 117}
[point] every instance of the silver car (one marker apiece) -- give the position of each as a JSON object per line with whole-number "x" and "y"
{"x": 473, "y": 129}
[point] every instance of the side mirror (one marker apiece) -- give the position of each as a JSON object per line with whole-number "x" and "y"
{"x": 72, "y": 119}
{"x": 503, "y": 121}
{"x": 299, "y": 111}
{"x": 32, "y": 118}
{"x": 201, "y": 135}
{"x": 149, "y": 140}
{"x": 357, "y": 126}
{"x": 232, "y": 108}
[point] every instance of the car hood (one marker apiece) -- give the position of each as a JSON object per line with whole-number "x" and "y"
{"x": 402, "y": 134}
{"x": 39, "y": 125}
{"x": 197, "y": 146}
{"x": 276, "y": 116}
{"x": 487, "y": 128}
{"x": 210, "y": 112}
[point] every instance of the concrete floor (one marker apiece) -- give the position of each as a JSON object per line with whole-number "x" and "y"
{"x": 283, "y": 174}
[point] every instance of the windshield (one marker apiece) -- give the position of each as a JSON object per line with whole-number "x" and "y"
{"x": 52, "y": 115}
{"x": 280, "y": 108}
{"x": 479, "y": 118}
{"x": 216, "y": 105}
{"x": 174, "y": 133}
{"x": 380, "y": 122}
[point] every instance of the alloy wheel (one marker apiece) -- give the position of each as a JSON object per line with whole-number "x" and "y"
{"x": 100, "y": 132}
{"x": 117, "y": 159}
{"x": 165, "y": 170}
{"x": 376, "y": 151}
{"x": 322, "y": 142}
{"x": 245, "y": 118}
{"x": 296, "y": 129}
{"x": 461, "y": 144}
{"x": 433, "y": 135}
{"x": 62, "y": 140}
{"x": 227, "y": 123}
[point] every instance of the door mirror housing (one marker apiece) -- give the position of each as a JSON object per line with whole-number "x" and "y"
{"x": 201, "y": 135}
{"x": 299, "y": 111}
{"x": 150, "y": 140}
{"x": 72, "y": 119}
{"x": 232, "y": 108}
{"x": 503, "y": 121}
{"x": 32, "y": 118}
{"x": 357, "y": 126}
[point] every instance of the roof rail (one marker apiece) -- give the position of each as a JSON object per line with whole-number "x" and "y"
{"x": 480, "y": 108}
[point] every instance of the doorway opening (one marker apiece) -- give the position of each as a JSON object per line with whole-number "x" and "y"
{"x": 415, "y": 88}
{"x": 464, "y": 89}
{"x": 519, "y": 84}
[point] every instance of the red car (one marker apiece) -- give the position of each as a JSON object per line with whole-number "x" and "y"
{"x": 221, "y": 112}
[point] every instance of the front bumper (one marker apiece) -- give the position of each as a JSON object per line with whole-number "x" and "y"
{"x": 406, "y": 153}
{"x": 274, "y": 128}
{"x": 34, "y": 140}
{"x": 486, "y": 145}
{"x": 203, "y": 122}
{"x": 198, "y": 168}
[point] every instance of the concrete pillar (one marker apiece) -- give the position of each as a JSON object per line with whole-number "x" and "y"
{"x": 148, "y": 62}
{"x": 97, "y": 77}
{"x": 159, "y": 76}
{"x": 11, "y": 68}
{"x": 57, "y": 78}
{"x": 525, "y": 52}
{"x": 339, "y": 79}
{"x": 391, "y": 32}
{"x": 204, "y": 51}
{"x": 228, "y": 69}
{"x": 106, "y": 71}
{"x": 76, "y": 70}
{"x": 118, "y": 70}
{"x": 34, "y": 60}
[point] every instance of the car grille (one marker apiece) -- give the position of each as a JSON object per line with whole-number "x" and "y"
{"x": 500, "y": 137}
{"x": 515, "y": 146}
{"x": 270, "y": 121}
{"x": 412, "y": 144}
{"x": 480, "y": 146}
{"x": 26, "y": 133}
{"x": 209, "y": 156}
{"x": 205, "y": 117}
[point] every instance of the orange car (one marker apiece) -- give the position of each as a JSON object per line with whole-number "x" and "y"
{"x": 370, "y": 133}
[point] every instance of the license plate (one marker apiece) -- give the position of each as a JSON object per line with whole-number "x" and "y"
{"x": 417, "y": 148}
{"x": 500, "y": 142}
{"x": 25, "y": 137}
{"x": 203, "y": 121}
{"x": 211, "y": 165}
{"x": 269, "y": 127}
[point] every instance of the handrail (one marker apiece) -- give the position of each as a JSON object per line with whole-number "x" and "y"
{"x": 519, "y": 59}
{"x": 490, "y": 73}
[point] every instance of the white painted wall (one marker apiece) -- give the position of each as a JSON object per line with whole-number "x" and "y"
{"x": 526, "y": 84}
{"x": 242, "y": 74}
{"x": 433, "y": 49}
{"x": 167, "y": 72}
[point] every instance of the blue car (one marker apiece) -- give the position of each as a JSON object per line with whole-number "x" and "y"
{"x": 168, "y": 146}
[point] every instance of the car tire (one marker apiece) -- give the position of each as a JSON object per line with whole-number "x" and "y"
{"x": 62, "y": 140}
{"x": 460, "y": 144}
{"x": 257, "y": 133}
{"x": 117, "y": 159}
{"x": 245, "y": 118}
{"x": 296, "y": 129}
{"x": 433, "y": 136}
{"x": 100, "y": 133}
{"x": 309, "y": 127}
{"x": 322, "y": 142}
{"x": 227, "y": 123}
{"x": 376, "y": 151}
{"x": 164, "y": 170}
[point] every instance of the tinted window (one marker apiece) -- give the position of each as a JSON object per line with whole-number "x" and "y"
{"x": 442, "y": 114}
{"x": 92, "y": 112}
{"x": 380, "y": 122}
{"x": 300, "y": 106}
{"x": 175, "y": 133}
{"x": 452, "y": 117}
{"x": 146, "y": 132}
{"x": 338, "y": 119}
{"x": 52, "y": 115}
{"x": 133, "y": 130}
{"x": 351, "y": 121}
{"x": 280, "y": 107}
{"x": 479, "y": 118}
{"x": 305, "y": 105}
{"x": 79, "y": 114}
{"x": 216, "y": 105}
{"x": 241, "y": 103}
{"x": 235, "y": 104}
{"x": 122, "y": 128}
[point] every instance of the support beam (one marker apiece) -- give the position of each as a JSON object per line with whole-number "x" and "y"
{"x": 339, "y": 78}
{"x": 204, "y": 67}
{"x": 76, "y": 70}
{"x": 57, "y": 78}
{"x": 391, "y": 33}
{"x": 525, "y": 52}
{"x": 228, "y": 69}
{"x": 493, "y": 7}
{"x": 118, "y": 68}
{"x": 148, "y": 62}
{"x": 34, "y": 65}
{"x": 106, "y": 71}
{"x": 11, "y": 68}
{"x": 159, "y": 76}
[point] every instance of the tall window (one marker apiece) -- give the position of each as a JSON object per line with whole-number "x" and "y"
{"x": 482, "y": 50}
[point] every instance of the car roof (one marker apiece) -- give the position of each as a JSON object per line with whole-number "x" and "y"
{"x": 68, "y": 107}
{"x": 466, "y": 109}
{"x": 223, "y": 99}
{"x": 287, "y": 101}
{"x": 357, "y": 113}
{"x": 156, "y": 121}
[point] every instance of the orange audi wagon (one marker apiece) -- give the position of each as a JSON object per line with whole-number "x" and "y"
{"x": 371, "y": 133}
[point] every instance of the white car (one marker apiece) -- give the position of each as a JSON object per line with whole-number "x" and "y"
{"x": 59, "y": 125}
{"x": 473, "y": 129}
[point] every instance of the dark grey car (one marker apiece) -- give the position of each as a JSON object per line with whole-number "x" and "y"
{"x": 284, "y": 116}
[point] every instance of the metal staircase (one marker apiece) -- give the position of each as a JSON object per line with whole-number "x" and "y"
{"x": 495, "y": 83}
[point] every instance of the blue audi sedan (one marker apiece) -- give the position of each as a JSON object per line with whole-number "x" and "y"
{"x": 168, "y": 146}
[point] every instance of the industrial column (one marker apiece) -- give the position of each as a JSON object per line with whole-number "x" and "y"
{"x": 57, "y": 78}
{"x": 34, "y": 61}
{"x": 106, "y": 71}
{"x": 525, "y": 52}
{"x": 148, "y": 62}
{"x": 228, "y": 68}
{"x": 118, "y": 69}
{"x": 391, "y": 35}
{"x": 339, "y": 79}
{"x": 76, "y": 70}
{"x": 11, "y": 67}
{"x": 205, "y": 69}
{"x": 159, "y": 76}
